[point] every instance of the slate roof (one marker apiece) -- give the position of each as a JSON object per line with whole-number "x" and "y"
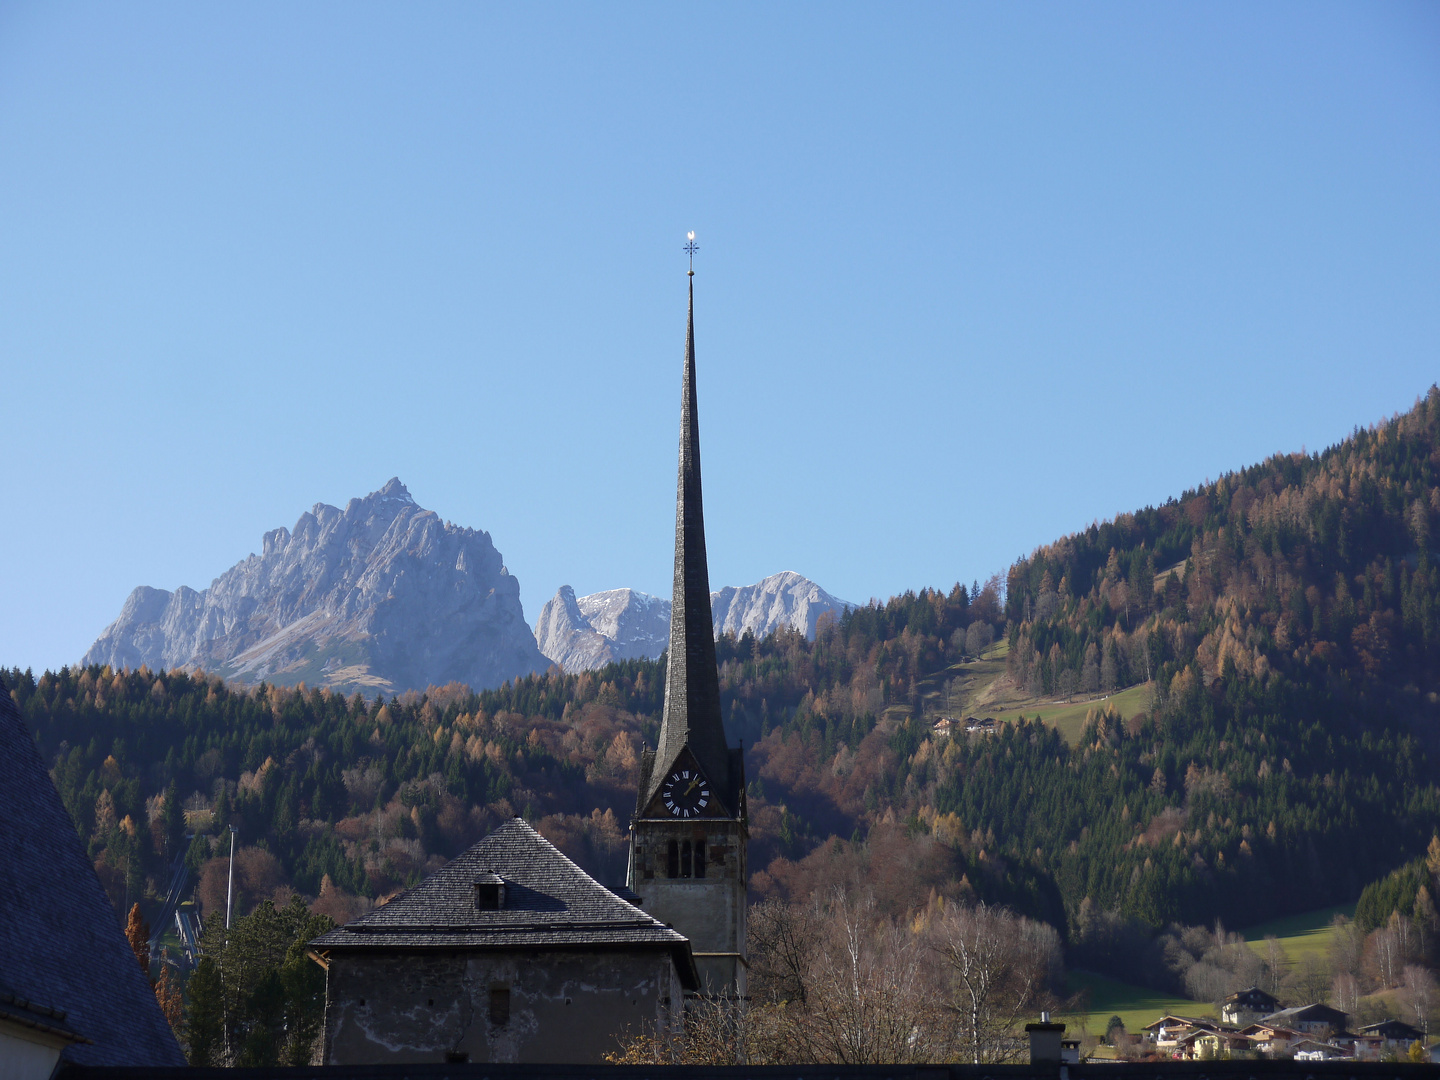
{"x": 61, "y": 946}
{"x": 1307, "y": 1014}
{"x": 1252, "y": 996}
{"x": 549, "y": 903}
{"x": 1237, "y": 1069}
{"x": 18, "y": 1010}
{"x": 1193, "y": 1021}
{"x": 1392, "y": 1029}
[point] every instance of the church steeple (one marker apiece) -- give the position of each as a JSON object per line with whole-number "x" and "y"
{"x": 688, "y": 857}
{"x": 692, "y": 685}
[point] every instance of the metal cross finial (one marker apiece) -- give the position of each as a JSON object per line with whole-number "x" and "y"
{"x": 690, "y": 248}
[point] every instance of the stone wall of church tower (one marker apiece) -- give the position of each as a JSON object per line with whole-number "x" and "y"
{"x": 708, "y": 910}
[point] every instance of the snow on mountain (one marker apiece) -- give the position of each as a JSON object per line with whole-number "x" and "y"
{"x": 783, "y": 599}
{"x": 620, "y": 624}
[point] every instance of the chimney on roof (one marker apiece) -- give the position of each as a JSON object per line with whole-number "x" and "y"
{"x": 1045, "y": 1041}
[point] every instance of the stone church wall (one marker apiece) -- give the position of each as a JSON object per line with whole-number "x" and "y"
{"x": 709, "y": 911}
{"x": 492, "y": 1006}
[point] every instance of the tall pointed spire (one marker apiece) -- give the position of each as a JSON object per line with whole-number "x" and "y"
{"x": 692, "y": 684}
{"x": 688, "y": 856}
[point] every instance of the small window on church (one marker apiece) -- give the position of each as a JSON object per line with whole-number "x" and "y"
{"x": 699, "y": 858}
{"x": 685, "y": 858}
{"x": 499, "y": 1005}
{"x": 672, "y": 867}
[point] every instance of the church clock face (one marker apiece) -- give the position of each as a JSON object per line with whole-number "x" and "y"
{"x": 686, "y": 792}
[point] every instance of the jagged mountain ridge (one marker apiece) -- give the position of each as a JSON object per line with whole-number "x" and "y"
{"x": 783, "y": 599}
{"x": 592, "y": 631}
{"x": 588, "y": 632}
{"x": 380, "y": 596}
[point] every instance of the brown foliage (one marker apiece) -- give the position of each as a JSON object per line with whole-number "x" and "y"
{"x": 900, "y": 870}
{"x": 999, "y": 966}
{"x": 257, "y": 877}
{"x": 338, "y": 904}
{"x": 595, "y": 841}
{"x": 171, "y": 999}
{"x": 833, "y": 979}
{"x": 137, "y": 933}
{"x": 711, "y": 1032}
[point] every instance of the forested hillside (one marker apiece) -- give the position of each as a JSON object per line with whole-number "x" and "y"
{"x": 1302, "y": 572}
{"x": 1290, "y": 631}
{"x": 1282, "y": 621}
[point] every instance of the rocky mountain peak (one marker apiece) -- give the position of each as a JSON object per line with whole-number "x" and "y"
{"x": 589, "y": 632}
{"x": 383, "y": 595}
{"x": 393, "y": 490}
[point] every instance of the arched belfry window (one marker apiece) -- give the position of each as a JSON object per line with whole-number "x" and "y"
{"x": 686, "y": 860}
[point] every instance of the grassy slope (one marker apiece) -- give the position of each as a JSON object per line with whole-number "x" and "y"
{"x": 1069, "y": 716}
{"x": 1135, "y": 1005}
{"x": 980, "y": 688}
{"x": 1308, "y": 932}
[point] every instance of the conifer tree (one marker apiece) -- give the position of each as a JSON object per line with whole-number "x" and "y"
{"x": 205, "y": 1015}
{"x": 173, "y": 819}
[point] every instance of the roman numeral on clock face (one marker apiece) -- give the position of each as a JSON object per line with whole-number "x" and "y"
{"x": 685, "y": 792}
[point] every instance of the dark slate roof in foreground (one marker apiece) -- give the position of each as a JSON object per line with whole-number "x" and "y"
{"x": 549, "y": 903}
{"x": 1155, "y": 1070}
{"x": 42, "y": 1018}
{"x": 61, "y": 947}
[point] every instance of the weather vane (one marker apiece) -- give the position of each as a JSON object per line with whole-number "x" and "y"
{"x": 690, "y": 248}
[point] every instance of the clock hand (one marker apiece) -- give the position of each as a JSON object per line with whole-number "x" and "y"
{"x": 693, "y": 785}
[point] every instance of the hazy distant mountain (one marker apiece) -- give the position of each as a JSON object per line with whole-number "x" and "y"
{"x": 382, "y": 595}
{"x": 618, "y": 624}
{"x": 784, "y": 599}
{"x": 622, "y": 624}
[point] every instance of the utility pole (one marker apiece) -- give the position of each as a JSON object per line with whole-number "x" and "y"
{"x": 230, "y": 888}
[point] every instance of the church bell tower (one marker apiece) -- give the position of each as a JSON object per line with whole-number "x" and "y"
{"x": 687, "y": 842}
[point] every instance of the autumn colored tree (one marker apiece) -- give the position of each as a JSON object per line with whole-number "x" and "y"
{"x": 137, "y": 933}
{"x": 171, "y": 999}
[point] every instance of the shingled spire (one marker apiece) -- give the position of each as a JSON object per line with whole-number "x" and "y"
{"x": 692, "y": 684}
{"x": 688, "y": 861}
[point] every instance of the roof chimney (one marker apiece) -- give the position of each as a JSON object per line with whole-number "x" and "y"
{"x": 1044, "y": 1040}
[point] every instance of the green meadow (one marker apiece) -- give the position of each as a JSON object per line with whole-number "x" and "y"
{"x": 1101, "y": 997}
{"x": 1308, "y": 932}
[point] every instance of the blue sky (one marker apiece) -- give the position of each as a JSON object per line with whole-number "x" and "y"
{"x": 971, "y": 276}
